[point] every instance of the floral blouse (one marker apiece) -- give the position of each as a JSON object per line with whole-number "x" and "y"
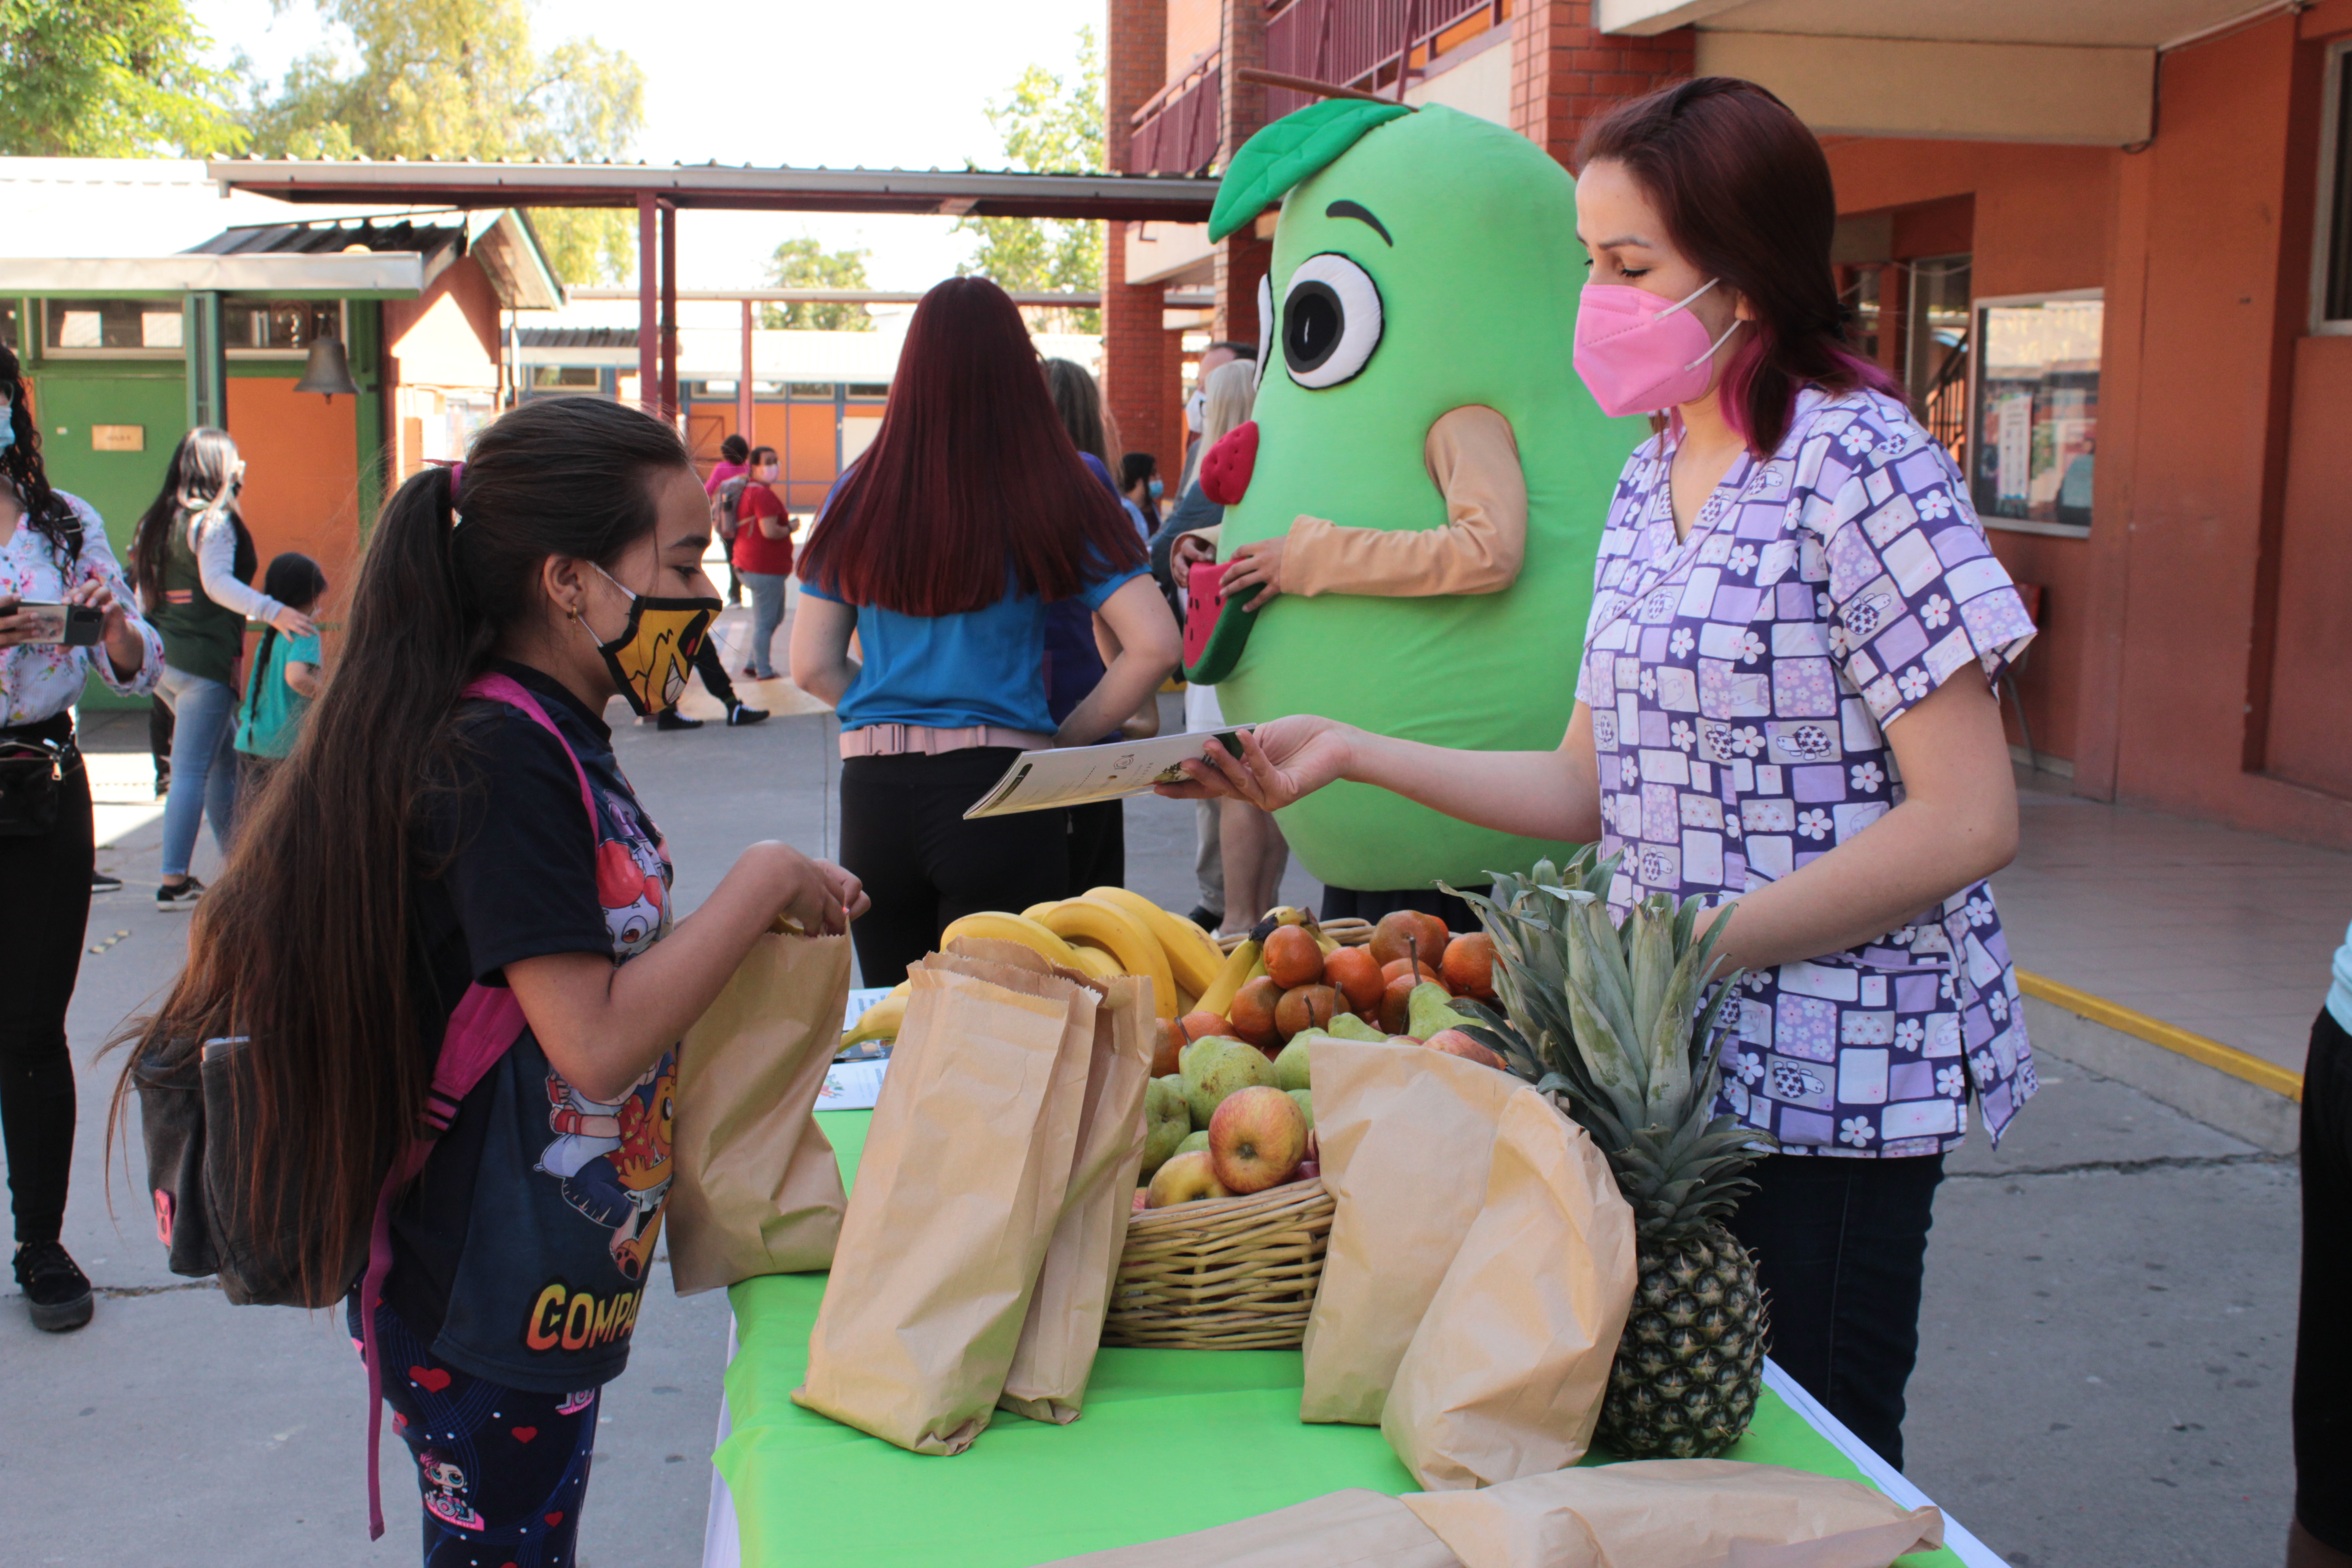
{"x": 39, "y": 681}
{"x": 1739, "y": 681}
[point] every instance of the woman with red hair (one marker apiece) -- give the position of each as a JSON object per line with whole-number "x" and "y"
{"x": 1785, "y": 701}
{"x": 940, "y": 550}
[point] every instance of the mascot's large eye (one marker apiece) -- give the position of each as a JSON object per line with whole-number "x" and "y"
{"x": 1265, "y": 325}
{"x": 1330, "y": 321}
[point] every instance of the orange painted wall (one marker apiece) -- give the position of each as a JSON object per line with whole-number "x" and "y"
{"x": 2311, "y": 709}
{"x": 810, "y": 466}
{"x": 301, "y": 480}
{"x": 2033, "y": 218}
{"x": 2219, "y": 261}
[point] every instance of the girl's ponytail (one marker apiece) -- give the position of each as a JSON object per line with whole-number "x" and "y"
{"x": 305, "y": 943}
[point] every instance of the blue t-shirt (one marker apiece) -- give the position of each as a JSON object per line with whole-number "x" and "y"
{"x": 950, "y": 672}
{"x": 272, "y": 714}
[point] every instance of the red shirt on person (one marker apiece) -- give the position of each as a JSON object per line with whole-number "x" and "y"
{"x": 754, "y": 550}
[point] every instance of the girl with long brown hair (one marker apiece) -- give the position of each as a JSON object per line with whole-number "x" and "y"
{"x": 1785, "y": 701}
{"x": 451, "y": 816}
{"x": 940, "y": 551}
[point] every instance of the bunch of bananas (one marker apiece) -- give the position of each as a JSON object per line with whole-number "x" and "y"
{"x": 1102, "y": 932}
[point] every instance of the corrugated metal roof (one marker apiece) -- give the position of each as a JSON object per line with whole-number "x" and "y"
{"x": 329, "y": 239}
{"x": 576, "y": 337}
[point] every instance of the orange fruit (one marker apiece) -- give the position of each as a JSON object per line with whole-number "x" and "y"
{"x": 1357, "y": 975}
{"x": 1292, "y": 957}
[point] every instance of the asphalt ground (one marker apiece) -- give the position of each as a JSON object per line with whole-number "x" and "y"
{"x": 2104, "y": 1365}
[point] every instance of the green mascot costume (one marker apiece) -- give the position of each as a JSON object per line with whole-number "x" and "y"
{"x": 1425, "y": 262}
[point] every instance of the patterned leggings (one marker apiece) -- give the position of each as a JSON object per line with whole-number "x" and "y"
{"x": 502, "y": 1473}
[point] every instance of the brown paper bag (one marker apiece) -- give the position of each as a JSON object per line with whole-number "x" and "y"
{"x": 1406, "y": 1135}
{"x": 1694, "y": 1513}
{"x": 1504, "y": 1375}
{"x": 959, "y": 1191}
{"x": 1352, "y": 1529}
{"x": 1047, "y": 1381}
{"x": 755, "y": 1188}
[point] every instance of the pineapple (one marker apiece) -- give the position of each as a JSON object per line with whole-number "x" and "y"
{"x": 1608, "y": 1020}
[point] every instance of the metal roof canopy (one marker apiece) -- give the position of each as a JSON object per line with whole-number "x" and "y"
{"x": 952, "y": 192}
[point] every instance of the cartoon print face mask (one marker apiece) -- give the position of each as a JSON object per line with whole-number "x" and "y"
{"x": 650, "y": 659}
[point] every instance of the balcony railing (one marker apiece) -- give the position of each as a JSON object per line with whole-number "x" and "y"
{"x": 1176, "y": 128}
{"x": 1354, "y": 43}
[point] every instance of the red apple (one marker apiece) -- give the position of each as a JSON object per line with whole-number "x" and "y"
{"x": 1189, "y": 1176}
{"x": 1454, "y": 1043}
{"x": 1256, "y": 1140}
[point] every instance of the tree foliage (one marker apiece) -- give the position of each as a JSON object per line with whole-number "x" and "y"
{"x": 110, "y": 78}
{"x": 1048, "y": 125}
{"x": 461, "y": 79}
{"x": 802, "y": 263}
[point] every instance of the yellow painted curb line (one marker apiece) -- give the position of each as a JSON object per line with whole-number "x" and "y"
{"x": 2157, "y": 1032}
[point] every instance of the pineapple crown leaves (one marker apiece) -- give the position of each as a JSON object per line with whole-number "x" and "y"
{"x": 1608, "y": 1018}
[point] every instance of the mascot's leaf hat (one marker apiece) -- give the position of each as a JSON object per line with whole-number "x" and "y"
{"x": 1426, "y": 260}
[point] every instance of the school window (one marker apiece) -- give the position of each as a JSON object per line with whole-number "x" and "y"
{"x": 8, "y": 334}
{"x": 2036, "y": 411}
{"x": 147, "y": 327}
{"x": 279, "y": 326}
{"x": 575, "y": 377}
{"x": 2332, "y": 265}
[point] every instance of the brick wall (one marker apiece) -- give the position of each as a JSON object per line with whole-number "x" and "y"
{"x": 1564, "y": 72}
{"x": 1243, "y": 258}
{"x": 1139, "y": 368}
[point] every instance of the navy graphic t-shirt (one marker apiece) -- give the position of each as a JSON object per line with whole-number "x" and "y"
{"x": 521, "y": 1256}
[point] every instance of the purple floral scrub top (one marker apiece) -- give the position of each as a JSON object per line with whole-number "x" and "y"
{"x": 1739, "y": 681}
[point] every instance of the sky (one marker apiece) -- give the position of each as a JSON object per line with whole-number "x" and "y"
{"x": 785, "y": 82}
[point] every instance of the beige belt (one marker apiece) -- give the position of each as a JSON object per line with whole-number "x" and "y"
{"x": 898, "y": 740}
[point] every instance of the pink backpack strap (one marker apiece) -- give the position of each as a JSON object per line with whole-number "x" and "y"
{"x": 485, "y": 1026}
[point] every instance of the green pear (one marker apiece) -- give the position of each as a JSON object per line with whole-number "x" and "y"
{"x": 1194, "y": 1140}
{"x": 1214, "y": 1067}
{"x": 1305, "y": 1106}
{"x": 1164, "y": 1100}
{"x": 1290, "y": 1067}
{"x": 1430, "y": 1010}
{"x": 1348, "y": 1026}
{"x": 1160, "y": 1144}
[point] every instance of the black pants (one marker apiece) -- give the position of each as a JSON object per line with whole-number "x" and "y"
{"x": 903, "y": 833}
{"x": 43, "y": 916}
{"x": 159, "y": 722}
{"x": 1350, "y": 903}
{"x": 1841, "y": 1247}
{"x": 1097, "y": 845}
{"x": 2323, "y": 1361}
{"x": 713, "y": 670}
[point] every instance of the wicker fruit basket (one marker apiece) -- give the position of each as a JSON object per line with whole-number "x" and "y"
{"x": 1223, "y": 1273}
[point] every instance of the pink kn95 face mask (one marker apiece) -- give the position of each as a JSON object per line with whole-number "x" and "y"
{"x": 1637, "y": 353}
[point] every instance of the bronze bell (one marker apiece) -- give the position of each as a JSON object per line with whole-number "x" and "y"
{"x": 328, "y": 371}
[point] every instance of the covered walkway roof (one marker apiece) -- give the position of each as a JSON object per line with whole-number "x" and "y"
{"x": 952, "y": 192}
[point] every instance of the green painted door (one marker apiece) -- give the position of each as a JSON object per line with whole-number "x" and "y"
{"x": 116, "y": 485}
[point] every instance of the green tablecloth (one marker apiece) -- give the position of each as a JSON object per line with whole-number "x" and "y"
{"x": 1171, "y": 1441}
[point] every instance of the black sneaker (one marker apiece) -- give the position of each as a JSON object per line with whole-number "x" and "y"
{"x": 671, "y": 718}
{"x": 1207, "y": 919}
{"x": 743, "y": 713}
{"x": 55, "y": 1291}
{"x": 99, "y": 883}
{"x": 183, "y": 897}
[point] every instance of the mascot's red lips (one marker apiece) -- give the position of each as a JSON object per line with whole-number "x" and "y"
{"x": 1226, "y": 468}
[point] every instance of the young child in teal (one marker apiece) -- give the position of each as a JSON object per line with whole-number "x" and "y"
{"x": 285, "y": 673}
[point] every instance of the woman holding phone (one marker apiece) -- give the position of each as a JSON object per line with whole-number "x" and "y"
{"x": 53, "y": 551}
{"x": 1784, "y": 706}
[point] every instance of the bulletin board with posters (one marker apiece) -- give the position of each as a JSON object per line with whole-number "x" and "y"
{"x": 2036, "y": 411}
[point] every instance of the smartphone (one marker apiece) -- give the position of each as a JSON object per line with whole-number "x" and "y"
{"x": 73, "y": 626}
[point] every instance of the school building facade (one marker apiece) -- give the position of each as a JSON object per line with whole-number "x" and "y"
{"x": 2107, "y": 247}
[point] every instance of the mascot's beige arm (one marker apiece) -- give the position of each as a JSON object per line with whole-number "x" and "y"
{"x": 1475, "y": 460}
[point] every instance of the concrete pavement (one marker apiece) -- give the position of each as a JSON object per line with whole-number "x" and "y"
{"x": 2109, "y": 1329}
